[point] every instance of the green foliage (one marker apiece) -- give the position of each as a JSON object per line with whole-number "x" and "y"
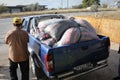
{"x": 88, "y": 3}
{"x": 104, "y": 5}
{"x": 3, "y": 8}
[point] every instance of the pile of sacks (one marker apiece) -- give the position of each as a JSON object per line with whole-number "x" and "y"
{"x": 59, "y": 32}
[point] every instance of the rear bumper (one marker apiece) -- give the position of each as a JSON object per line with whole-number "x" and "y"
{"x": 72, "y": 74}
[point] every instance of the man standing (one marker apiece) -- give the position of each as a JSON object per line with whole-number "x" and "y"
{"x": 17, "y": 40}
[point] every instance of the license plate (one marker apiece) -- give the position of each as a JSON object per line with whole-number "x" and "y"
{"x": 84, "y": 67}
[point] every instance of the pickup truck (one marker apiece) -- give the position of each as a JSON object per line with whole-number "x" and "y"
{"x": 64, "y": 62}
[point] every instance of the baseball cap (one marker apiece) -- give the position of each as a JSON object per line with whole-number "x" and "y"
{"x": 17, "y": 20}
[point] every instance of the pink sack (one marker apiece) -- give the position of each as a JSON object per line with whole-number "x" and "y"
{"x": 49, "y": 42}
{"x": 57, "y": 29}
{"x": 86, "y": 24}
{"x": 70, "y": 36}
{"x": 87, "y": 34}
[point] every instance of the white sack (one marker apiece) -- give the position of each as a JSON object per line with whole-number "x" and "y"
{"x": 43, "y": 24}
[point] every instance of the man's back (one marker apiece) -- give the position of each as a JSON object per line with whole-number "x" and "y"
{"x": 17, "y": 40}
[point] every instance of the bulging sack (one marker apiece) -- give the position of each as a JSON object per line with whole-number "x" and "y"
{"x": 43, "y": 24}
{"x": 70, "y": 36}
{"x": 86, "y": 24}
{"x": 87, "y": 34}
{"x": 57, "y": 29}
{"x": 49, "y": 42}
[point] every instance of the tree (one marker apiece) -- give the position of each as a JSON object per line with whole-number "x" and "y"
{"x": 3, "y": 8}
{"x": 104, "y": 5}
{"x": 87, "y": 3}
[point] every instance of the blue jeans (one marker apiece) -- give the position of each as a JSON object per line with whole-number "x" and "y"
{"x": 24, "y": 68}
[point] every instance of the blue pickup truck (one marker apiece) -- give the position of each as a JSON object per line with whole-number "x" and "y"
{"x": 67, "y": 61}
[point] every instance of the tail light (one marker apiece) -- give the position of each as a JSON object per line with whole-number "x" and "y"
{"x": 49, "y": 62}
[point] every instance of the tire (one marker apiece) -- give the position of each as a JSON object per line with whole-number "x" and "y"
{"x": 37, "y": 71}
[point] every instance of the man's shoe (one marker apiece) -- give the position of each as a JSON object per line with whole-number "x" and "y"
{"x": 116, "y": 78}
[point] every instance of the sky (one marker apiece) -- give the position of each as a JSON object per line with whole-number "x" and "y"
{"x": 50, "y": 3}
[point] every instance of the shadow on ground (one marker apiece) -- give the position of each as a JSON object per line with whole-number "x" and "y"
{"x": 106, "y": 73}
{"x": 4, "y": 72}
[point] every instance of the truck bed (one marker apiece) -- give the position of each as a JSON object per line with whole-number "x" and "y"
{"x": 69, "y": 57}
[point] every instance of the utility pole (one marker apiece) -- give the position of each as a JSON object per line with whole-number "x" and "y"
{"x": 61, "y": 3}
{"x": 67, "y": 3}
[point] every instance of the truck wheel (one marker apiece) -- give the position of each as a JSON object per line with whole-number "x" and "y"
{"x": 35, "y": 70}
{"x": 32, "y": 66}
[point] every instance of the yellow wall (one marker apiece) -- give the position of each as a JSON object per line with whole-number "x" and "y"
{"x": 106, "y": 27}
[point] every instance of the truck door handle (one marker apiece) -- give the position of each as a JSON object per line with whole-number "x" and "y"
{"x": 84, "y": 47}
